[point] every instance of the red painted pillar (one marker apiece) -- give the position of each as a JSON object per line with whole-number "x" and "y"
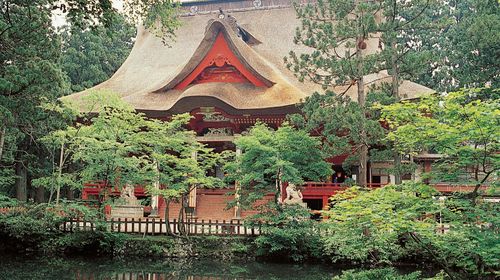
{"x": 427, "y": 169}
{"x": 107, "y": 210}
{"x": 283, "y": 190}
{"x": 325, "y": 201}
{"x": 85, "y": 195}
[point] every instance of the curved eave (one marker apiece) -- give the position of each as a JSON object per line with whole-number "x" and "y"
{"x": 189, "y": 104}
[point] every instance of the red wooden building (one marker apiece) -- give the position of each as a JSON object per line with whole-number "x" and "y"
{"x": 227, "y": 70}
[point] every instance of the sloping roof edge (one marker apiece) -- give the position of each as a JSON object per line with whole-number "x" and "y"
{"x": 213, "y": 29}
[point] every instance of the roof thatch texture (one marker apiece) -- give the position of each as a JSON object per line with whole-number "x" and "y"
{"x": 146, "y": 78}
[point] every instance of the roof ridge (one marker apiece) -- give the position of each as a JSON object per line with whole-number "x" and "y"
{"x": 204, "y": 7}
{"x": 202, "y": 13}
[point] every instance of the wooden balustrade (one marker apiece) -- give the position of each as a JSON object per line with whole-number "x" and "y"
{"x": 151, "y": 226}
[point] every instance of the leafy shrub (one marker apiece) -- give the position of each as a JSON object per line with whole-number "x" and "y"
{"x": 381, "y": 273}
{"x": 371, "y": 226}
{"x": 6, "y": 201}
{"x": 289, "y": 233}
{"x": 39, "y": 225}
{"x": 396, "y": 223}
{"x": 239, "y": 248}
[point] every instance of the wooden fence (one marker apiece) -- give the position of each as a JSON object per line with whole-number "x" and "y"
{"x": 151, "y": 226}
{"x": 6, "y": 210}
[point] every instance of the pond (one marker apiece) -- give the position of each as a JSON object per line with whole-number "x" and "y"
{"x": 14, "y": 268}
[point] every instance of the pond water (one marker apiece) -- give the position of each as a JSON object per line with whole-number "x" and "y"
{"x": 14, "y": 268}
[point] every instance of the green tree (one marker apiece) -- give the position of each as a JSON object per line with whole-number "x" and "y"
{"x": 337, "y": 32}
{"x": 30, "y": 74}
{"x": 400, "y": 222}
{"x": 461, "y": 126}
{"x": 403, "y": 27}
{"x": 180, "y": 164}
{"x": 120, "y": 146}
{"x": 269, "y": 158}
{"x": 340, "y": 122}
{"x": 466, "y": 49}
{"x": 288, "y": 233}
{"x": 91, "y": 56}
{"x": 106, "y": 150}
{"x": 369, "y": 225}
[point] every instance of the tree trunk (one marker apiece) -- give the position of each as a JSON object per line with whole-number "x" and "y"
{"x": 167, "y": 217}
{"x": 2, "y": 140}
{"x": 279, "y": 187}
{"x": 21, "y": 182}
{"x": 70, "y": 194}
{"x": 180, "y": 222}
{"x": 397, "y": 168}
{"x": 363, "y": 151}
{"x": 395, "y": 93}
{"x": 40, "y": 195}
{"x": 58, "y": 192}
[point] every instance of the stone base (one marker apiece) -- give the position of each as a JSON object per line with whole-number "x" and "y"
{"x": 154, "y": 213}
{"x": 127, "y": 211}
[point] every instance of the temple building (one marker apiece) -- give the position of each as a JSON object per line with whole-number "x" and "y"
{"x": 226, "y": 69}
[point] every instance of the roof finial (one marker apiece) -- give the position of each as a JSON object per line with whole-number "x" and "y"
{"x": 221, "y": 13}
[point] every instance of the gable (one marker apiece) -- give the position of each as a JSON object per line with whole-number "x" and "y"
{"x": 220, "y": 64}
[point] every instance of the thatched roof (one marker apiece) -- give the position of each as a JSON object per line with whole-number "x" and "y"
{"x": 147, "y": 78}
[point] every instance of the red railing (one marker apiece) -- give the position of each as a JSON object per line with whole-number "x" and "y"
{"x": 310, "y": 189}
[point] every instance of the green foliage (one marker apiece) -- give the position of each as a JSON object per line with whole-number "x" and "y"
{"x": 339, "y": 121}
{"x": 289, "y": 233}
{"x": 462, "y": 126}
{"x": 368, "y": 226}
{"x": 31, "y": 75}
{"x": 85, "y": 243}
{"x": 270, "y": 157}
{"x": 465, "y": 51}
{"x": 472, "y": 244}
{"x": 121, "y": 146}
{"x": 101, "y": 50}
{"x": 334, "y": 30}
{"x": 403, "y": 24}
{"x": 381, "y": 273}
{"x": 397, "y": 223}
{"x": 33, "y": 225}
{"x": 240, "y": 248}
{"x": 6, "y": 201}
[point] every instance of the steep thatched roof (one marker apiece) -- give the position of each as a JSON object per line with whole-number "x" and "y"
{"x": 147, "y": 78}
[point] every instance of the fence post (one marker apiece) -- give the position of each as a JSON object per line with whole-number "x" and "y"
{"x": 112, "y": 222}
{"x": 126, "y": 224}
{"x": 119, "y": 224}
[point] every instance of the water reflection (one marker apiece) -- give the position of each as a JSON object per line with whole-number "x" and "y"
{"x": 14, "y": 268}
{"x": 151, "y": 276}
